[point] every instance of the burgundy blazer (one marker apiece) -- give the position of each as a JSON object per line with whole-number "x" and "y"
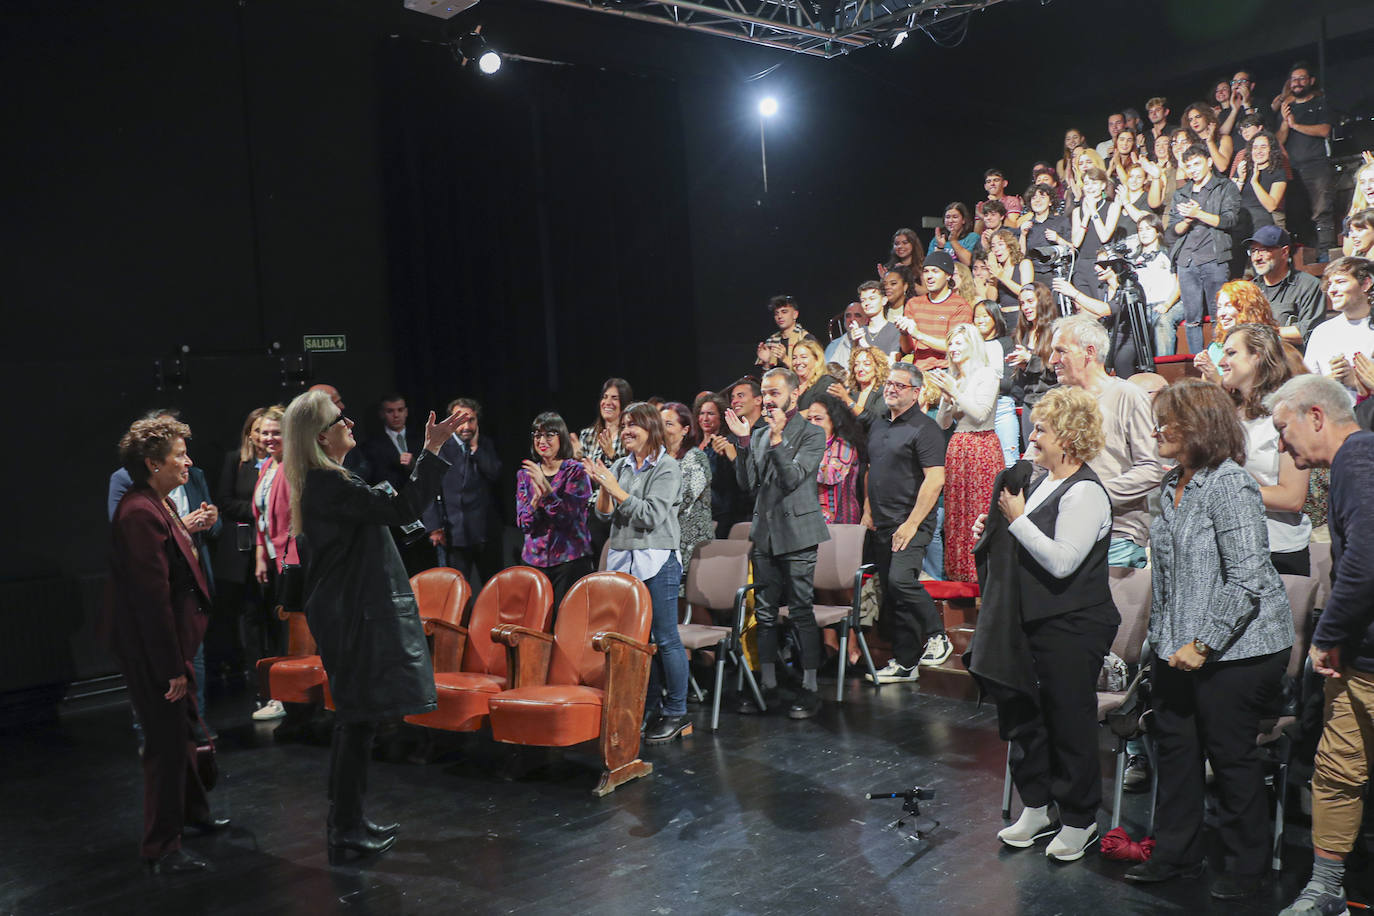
{"x": 157, "y": 598}
{"x": 278, "y": 517}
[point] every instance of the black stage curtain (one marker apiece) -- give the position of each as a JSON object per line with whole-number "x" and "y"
{"x": 537, "y": 231}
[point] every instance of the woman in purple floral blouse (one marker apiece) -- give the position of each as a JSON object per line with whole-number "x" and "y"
{"x": 551, "y": 497}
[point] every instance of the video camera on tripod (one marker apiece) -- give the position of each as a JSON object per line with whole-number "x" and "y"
{"x": 1060, "y": 258}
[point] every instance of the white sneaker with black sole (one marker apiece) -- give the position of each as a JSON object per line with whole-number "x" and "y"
{"x": 1034, "y": 824}
{"x": 268, "y": 711}
{"x": 1070, "y": 843}
{"x": 893, "y": 673}
{"x": 938, "y": 651}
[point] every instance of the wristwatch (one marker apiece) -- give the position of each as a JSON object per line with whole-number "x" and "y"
{"x": 1201, "y": 648}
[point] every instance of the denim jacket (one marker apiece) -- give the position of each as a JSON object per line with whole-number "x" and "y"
{"x": 1210, "y": 570}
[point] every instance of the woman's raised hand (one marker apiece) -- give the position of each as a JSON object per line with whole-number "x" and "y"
{"x": 736, "y": 424}
{"x": 436, "y": 434}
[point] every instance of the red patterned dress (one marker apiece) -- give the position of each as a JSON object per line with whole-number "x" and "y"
{"x": 972, "y": 462}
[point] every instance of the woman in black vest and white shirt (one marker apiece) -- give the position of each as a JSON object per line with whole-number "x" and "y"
{"x": 1062, "y": 528}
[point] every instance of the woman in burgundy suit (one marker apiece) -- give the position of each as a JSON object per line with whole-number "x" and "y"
{"x": 155, "y": 619}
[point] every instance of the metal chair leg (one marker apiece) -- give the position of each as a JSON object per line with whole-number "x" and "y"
{"x": 696, "y": 688}
{"x": 868, "y": 657}
{"x": 1006, "y": 788}
{"x": 720, "y": 682}
{"x": 844, "y": 657}
{"x": 748, "y": 675}
{"x": 1120, "y": 785}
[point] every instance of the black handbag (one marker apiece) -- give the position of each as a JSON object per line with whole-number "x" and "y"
{"x": 291, "y": 587}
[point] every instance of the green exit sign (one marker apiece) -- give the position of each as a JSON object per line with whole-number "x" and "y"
{"x": 326, "y": 343}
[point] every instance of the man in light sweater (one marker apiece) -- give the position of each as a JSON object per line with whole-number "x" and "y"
{"x": 1317, "y": 427}
{"x": 1338, "y": 343}
{"x": 1129, "y": 464}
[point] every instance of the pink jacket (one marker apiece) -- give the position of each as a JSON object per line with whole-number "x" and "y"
{"x": 278, "y": 517}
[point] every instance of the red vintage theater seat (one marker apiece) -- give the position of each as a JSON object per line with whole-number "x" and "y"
{"x": 587, "y": 680}
{"x": 299, "y": 676}
{"x": 469, "y": 669}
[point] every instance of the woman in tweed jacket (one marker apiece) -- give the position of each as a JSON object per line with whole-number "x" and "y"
{"x": 1222, "y": 630}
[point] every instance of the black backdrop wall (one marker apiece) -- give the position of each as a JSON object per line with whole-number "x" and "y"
{"x": 226, "y": 176}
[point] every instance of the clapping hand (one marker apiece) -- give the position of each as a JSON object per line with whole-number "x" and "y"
{"x": 538, "y": 481}
{"x": 838, "y": 390}
{"x": 1364, "y": 372}
{"x": 1287, "y": 112}
{"x": 1343, "y": 371}
{"x": 1188, "y": 209}
{"x": 736, "y": 424}
{"x": 1018, "y": 357}
{"x": 723, "y": 446}
{"x": 606, "y": 440}
{"x": 1242, "y": 169}
{"x": 598, "y": 472}
{"x": 777, "y": 420}
{"x": 436, "y": 434}
{"x": 1203, "y": 363}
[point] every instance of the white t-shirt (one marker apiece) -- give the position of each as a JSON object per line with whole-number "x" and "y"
{"x": 1085, "y": 517}
{"x": 1338, "y": 336}
{"x": 1288, "y": 531}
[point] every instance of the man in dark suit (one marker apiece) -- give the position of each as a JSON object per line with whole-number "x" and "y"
{"x": 391, "y": 455}
{"x": 458, "y": 522}
{"x": 779, "y": 471}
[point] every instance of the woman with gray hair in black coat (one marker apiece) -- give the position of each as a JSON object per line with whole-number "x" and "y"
{"x": 358, "y": 600}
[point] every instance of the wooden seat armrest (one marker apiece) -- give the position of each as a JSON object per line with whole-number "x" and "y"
{"x": 511, "y": 633}
{"x": 527, "y": 653}
{"x": 433, "y": 623}
{"x": 602, "y": 642}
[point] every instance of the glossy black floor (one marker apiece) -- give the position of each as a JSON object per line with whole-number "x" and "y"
{"x": 765, "y": 816}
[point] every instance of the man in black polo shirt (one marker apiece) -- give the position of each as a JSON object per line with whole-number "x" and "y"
{"x": 1295, "y": 296}
{"x": 1201, "y": 217}
{"x": 906, "y": 452}
{"x": 1304, "y": 127}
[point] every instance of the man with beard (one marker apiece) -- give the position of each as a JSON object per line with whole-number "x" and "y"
{"x": 1304, "y": 127}
{"x": 779, "y": 471}
{"x": 1294, "y": 295}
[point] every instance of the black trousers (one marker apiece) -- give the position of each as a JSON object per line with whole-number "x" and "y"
{"x": 786, "y": 579}
{"x": 349, "y": 753}
{"x": 1214, "y": 712}
{"x": 563, "y": 575}
{"x": 1314, "y": 183}
{"x": 912, "y": 610}
{"x": 1054, "y": 748}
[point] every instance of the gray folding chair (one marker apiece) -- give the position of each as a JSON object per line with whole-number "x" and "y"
{"x": 718, "y": 580}
{"x": 740, "y": 531}
{"x": 1302, "y": 598}
{"x": 840, "y": 567}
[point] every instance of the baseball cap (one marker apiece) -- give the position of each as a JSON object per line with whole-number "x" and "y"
{"x": 1269, "y": 237}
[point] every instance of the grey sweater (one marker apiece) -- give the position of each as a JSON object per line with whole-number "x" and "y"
{"x": 1210, "y": 570}
{"x": 647, "y": 519}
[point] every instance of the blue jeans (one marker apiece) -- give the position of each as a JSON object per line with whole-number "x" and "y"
{"x": 1008, "y": 430}
{"x": 1198, "y": 285}
{"x": 1125, "y": 553}
{"x": 668, "y": 672}
{"x": 1166, "y": 329}
{"x": 934, "y": 563}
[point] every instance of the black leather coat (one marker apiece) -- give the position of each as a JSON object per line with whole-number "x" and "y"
{"x": 358, "y": 600}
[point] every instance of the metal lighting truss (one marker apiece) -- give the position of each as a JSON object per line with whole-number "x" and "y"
{"x": 821, "y": 28}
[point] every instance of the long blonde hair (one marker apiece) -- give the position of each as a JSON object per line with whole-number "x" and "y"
{"x": 974, "y": 346}
{"x": 306, "y": 417}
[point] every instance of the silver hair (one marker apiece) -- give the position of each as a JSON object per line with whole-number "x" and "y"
{"x": 1085, "y": 331}
{"x": 786, "y": 374}
{"x": 1303, "y": 392}
{"x": 913, "y": 374}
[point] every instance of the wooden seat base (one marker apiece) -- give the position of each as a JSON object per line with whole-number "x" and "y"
{"x": 614, "y": 779}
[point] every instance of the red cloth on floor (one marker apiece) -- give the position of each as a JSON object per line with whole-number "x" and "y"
{"x": 1117, "y": 844}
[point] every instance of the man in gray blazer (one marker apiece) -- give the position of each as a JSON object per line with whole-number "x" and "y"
{"x": 779, "y": 472}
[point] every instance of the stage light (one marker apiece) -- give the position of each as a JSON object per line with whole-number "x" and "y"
{"x": 898, "y": 39}
{"x": 768, "y": 106}
{"x": 473, "y": 47}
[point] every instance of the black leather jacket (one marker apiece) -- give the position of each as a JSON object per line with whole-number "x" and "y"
{"x": 358, "y": 600}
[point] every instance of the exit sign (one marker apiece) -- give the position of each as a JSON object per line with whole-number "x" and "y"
{"x": 325, "y": 343}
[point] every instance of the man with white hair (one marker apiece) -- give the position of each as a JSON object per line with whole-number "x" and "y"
{"x": 1316, "y": 425}
{"x": 1128, "y": 464}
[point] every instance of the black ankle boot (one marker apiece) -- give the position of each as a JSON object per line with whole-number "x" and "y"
{"x": 380, "y": 830}
{"x": 356, "y": 839}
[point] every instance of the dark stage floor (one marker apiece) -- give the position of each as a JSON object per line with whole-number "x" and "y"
{"x": 766, "y": 816}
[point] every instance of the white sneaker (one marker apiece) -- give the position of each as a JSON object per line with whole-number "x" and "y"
{"x": 1070, "y": 843}
{"x": 893, "y": 673}
{"x": 1034, "y": 824}
{"x": 268, "y": 711}
{"x": 938, "y": 650}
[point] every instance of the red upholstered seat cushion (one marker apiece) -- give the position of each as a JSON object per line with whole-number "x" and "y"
{"x": 1176, "y": 358}
{"x": 943, "y": 591}
{"x": 297, "y": 680}
{"x": 463, "y": 698}
{"x": 556, "y": 715}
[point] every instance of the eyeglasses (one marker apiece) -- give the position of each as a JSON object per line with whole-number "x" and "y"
{"x": 544, "y": 437}
{"x": 1158, "y": 430}
{"x": 341, "y": 418}
{"x": 896, "y": 386}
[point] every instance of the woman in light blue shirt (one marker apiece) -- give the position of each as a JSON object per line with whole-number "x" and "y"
{"x": 639, "y": 496}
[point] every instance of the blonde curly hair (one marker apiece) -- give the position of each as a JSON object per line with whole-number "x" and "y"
{"x": 1075, "y": 419}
